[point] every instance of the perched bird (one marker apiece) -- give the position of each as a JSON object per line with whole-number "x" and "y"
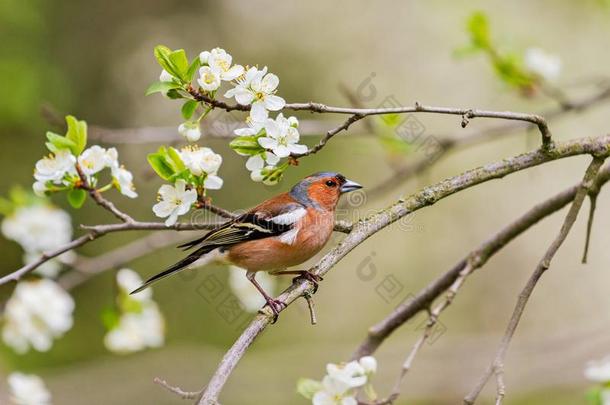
{"x": 281, "y": 232}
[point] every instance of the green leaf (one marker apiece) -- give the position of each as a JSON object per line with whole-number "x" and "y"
{"x": 159, "y": 164}
{"x": 195, "y": 64}
{"x": 246, "y": 145}
{"x": 60, "y": 142}
{"x": 181, "y": 63}
{"x": 175, "y": 62}
{"x": 6, "y": 207}
{"x": 161, "y": 87}
{"x": 77, "y": 197}
{"x": 174, "y": 94}
{"x": 478, "y": 27}
{"x": 110, "y": 318}
{"x": 77, "y": 133}
{"x": 175, "y": 159}
{"x": 308, "y": 387}
{"x": 188, "y": 108}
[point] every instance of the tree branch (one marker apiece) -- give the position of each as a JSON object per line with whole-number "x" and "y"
{"x": 371, "y": 225}
{"x": 422, "y": 300}
{"x": 544, "y": 264}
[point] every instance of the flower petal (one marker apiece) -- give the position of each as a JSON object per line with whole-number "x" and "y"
{"x": 274, "y": 103}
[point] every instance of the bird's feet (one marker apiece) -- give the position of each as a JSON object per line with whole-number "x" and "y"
{"x": 314, "y": 278}
{"x": 276, "y": 306}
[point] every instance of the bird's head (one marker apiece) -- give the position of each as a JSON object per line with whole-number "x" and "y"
{"x": 322, "y": 190}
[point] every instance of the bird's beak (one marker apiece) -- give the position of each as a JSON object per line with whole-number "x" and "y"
{"x": 350, "y": 186}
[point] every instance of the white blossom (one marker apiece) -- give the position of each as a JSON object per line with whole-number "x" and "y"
{"x": 369, "y": 364}
{"x": 128, "y": 280}
{"x": 540, "y": 62}
{"x": 165, "y": 76}
{"x": 209, "y": 79}
{"x": 259, "y": 161}
{"x": 190, "y": 131}
{"x": 257, "y": 87}
{"x": 93, "y": 160}
{"x": 281, "y": 137}
{"x": 334, "y": 392}
{"x": 124, "y": 181}
{"x": 139, "y": 329}
{"x": 220, "y": 62}
{"x": 37, "y": 312}
{"x": 598, "y": 371}
{"x": 351, "y": 374}
{"x": 246, "y": 293}
{"x": 27, "y": 389}
{"x": 38, "y": 227}
{"x": 203, "y": 57}
{"x": 174, "y": 201}
{"x": 203, "y": 161}
{"x": 55, "y": 166}
{"x": 255, "y": 124}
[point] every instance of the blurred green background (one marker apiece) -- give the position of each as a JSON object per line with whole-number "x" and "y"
{"x": 94, "y": 59}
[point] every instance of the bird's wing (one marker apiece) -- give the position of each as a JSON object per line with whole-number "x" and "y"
{"x": 261, "y": 222}
{"x": 256, "y": 224}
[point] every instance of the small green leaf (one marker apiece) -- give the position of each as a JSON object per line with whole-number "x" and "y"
{"x": 188, "y": 108}
{"x": 161, "y": 87}
{"x": 175, "y": 159}
{"x": 246, "y": 145}
{"x": 6, "y": 207}
{"x": 181, "y": 63}
{"x": 110, "y": 318}
{"x": 308, "y": 387}
{"x": 478, "y": 27}
{"x": 77, "y": 197}
{"x": 159, "y": 164}
{"x": 174, "y": 94}
{"x": 175, "y": 62}
{"x": 195, "y": 64}
{"x": 77, "y": 133}
{"x": 60, "y": 142}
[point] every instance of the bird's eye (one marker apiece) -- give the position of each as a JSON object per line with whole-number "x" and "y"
{"x": 331, "y": 183}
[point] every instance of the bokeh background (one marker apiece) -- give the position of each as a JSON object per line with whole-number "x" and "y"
{"x": 94, "y": 59}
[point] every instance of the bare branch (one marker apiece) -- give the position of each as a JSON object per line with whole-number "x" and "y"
{"x": 593, "y": 200}
{"x": 371, "y": 225}
{"x": 383, "y": 329}
{"x": 543, "y": 265}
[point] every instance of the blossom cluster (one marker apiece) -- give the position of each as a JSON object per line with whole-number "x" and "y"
{"x": 39, "y": 227}
{"x": 192, "y": 170}
{"x": 137, "y": 323}
{"x": 62, "y": 169}
{"x": 36, "y": 313}
{"x": 342, "y": 383}
{"x": 265, "y": 140}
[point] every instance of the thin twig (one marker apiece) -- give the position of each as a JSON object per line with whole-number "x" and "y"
{"x": 177, "y": 390}
{"x": 544, "y": 264}
{"x": 593, "y": 204}
{"x": 311, "y": 307}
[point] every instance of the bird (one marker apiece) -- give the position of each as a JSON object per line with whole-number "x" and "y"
{"x": 281, "y": 232}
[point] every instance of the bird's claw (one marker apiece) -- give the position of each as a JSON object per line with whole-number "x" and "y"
{"x": 314, "y": 278}
{"x": 276, "y": 306}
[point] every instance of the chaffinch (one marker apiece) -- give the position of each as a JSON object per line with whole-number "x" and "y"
{"x": 281, "y": 232}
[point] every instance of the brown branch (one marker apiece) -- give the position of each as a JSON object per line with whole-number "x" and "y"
{"x": 374, "y": 223}
{"x": 543, "y": 266}
{"x": 422, "y": 300}
{"x": 593, "y": 200}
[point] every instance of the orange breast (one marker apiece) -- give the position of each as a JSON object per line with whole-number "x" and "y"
{"x": 271, "y": 254}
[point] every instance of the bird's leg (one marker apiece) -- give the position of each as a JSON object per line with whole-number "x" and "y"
{"x": 314, "y": 278}
{"x": 275, "y": 305}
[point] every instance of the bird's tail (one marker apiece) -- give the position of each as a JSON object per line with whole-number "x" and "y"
{"x": 182, "y": 264}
